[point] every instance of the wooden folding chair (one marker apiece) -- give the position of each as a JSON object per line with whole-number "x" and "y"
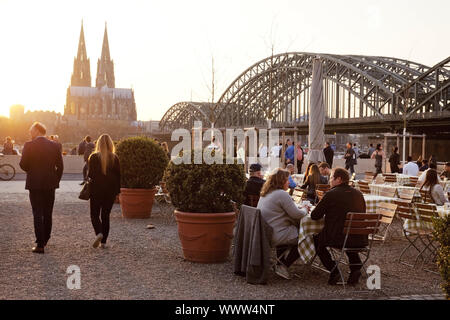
{"x": 412, "y": 182}
{"x": 406, "y": 210}
{"x": 299, "y": 195}
{"x": 426, "y": 213}
{"x": 390, "y": 178}
{"x": 369, "y": 176}
{"x": 387, "y": 212}
{"x": 364, "y": 186}
{"x": 387, "y": 192}
{"x": 319, "y": 195}
{"x": 323, "y": 187}
{"x": 406, "y": 194}
{"x": 379, "y": 179}
{"x": 426, "y": 196}
{"x": 357, "y": 224}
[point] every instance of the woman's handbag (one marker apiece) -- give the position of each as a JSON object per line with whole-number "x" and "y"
{"x": 85, "y": 193}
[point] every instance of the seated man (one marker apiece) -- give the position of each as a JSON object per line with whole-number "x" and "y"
{"x": 290, "y": 168}
{"x": 411, "y": 168}
{"x": 446, "y": 172}
{"x": 424, "y": 166}
{"x": 254, "y": 183}
{"x": 335, "y": 205}
{"x": 325, "y": 172}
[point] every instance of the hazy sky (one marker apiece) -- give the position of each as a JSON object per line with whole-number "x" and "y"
{"x": 163, "y": 49}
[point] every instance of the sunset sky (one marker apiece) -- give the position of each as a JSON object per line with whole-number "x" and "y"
{"x": 163, "y": 49}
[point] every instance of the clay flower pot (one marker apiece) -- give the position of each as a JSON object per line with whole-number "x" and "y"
{"x": 136, "y": 203}
{"x": 205, "y": 237}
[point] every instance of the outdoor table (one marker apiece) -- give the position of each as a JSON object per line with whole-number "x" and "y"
{"x": 373, "y": 200}
{"x": 308, "y": 228}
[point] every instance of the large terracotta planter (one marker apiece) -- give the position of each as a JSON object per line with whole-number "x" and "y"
{"x": 205, "y": 237}
{"x": 136, "y": 203}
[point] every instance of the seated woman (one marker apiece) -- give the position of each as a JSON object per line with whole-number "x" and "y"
{"x": 281, "y": 213}
{"x": 311, "y": 181}
{"x": 435, "y": 190}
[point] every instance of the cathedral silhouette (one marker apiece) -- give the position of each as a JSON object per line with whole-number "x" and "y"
{"x": 103, "y": 102}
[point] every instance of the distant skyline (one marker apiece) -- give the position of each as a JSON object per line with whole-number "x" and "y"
{"x": 163, "y": 49}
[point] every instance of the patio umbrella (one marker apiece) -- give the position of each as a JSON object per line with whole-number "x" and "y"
{"x": 316, "y": 115}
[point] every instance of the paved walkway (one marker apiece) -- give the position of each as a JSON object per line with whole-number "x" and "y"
{"x": 17, "y": 186}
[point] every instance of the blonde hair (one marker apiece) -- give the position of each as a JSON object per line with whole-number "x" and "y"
{"x": 276, "y": 181}
{"x": 105, "y": 149}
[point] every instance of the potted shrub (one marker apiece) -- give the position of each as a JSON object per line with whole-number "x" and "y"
{"x": 442, "y": 236}
{"x": 202, "y": 194}
{"x": 142, "y": 164}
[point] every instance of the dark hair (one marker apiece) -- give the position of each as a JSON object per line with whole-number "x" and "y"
{"x": 371, "y": 144}
{"x": 395, "y": 149}
{"x": 40, "y": 127}
{"x": 430, "y": 179}
{"x": 307, "y": 169}
{"x": 324, "y": 165}
{"x": 88, "y": 138}
{"x": 447, "y": 164}
{"x": 341, "y": 173}
{"x": 328, "y": 143}
{"x": 313, "y": 176}
{"x": 379, "y": 146}
{"x": 424, "y": 161}
{"x": 433, "y": 166}
{"x": 409, "y": 159}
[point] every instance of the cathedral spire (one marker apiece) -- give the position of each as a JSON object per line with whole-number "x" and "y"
{"x": 105, "y": 66}
{"x": 81, "y": 76}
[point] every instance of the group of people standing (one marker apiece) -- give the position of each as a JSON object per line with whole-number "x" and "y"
{"x": 42, "y": 161}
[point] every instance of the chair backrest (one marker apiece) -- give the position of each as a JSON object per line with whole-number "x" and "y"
{"x": 390, "y": 178}
{"x": 406, "y": 194}
{"x": 364, "y": 186}
{"x": 405, "y": 210}
{"x": 299, "y": 195}
{"x": 426, "y": 196}
{"x": 368, "y": 176}
{"x": 320, "y": 194}
{"x": 361, "y": 223}
{"x": 323, "y": 187}
{"x": 387, "y": 192}
{"x": 426, "y": 211}
{"x": 387, "y": 211}
{"x": 253, "y": 200}
{"x": 413, "y": 180}
{"x": 379, "y": 179}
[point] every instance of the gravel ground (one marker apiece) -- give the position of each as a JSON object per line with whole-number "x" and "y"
{"x": 148, "y": 264}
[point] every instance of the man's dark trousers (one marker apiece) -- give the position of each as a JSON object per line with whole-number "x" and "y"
{"x": 327, "y": 261}
{"x": 42, "y": 205}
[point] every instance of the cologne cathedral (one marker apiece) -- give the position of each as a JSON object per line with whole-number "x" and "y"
{"x": 104, "y": 102}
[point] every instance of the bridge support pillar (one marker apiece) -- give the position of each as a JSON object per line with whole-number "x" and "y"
{"x": 410, "y": 144}
{"x": 423, "y": 145}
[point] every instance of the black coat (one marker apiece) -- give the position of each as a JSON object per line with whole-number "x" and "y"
{"x": 253, "y": 187}
{"x": 350, "y": 157}
{"x": 104, "y": 185}
{"x": 335, "y": 205}
{"x": 394, "y": 161}
{"x": 329, "y": 154}
{"x": 43, "y": 163}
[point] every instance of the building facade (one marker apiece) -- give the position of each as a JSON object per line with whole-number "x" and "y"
{"x": 104, "y": 102}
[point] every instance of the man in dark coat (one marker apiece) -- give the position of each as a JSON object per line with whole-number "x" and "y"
{"x": 42, "y": 161}
{"x": 335, "y": 205}
{"x": 329, "y": 154}
{"x": 350, "y": 158}
{"x": 254, "y": 184}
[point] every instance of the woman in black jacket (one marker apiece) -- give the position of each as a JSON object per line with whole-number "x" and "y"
{"x": 104, "y": 172}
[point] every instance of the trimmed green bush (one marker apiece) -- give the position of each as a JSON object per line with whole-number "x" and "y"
{"x": 442, "y": 235}
{"x": 205, "y": 188}
{"x": 142, "y": 162}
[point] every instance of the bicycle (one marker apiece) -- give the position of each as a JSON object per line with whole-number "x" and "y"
{"x": 7, "y": 171}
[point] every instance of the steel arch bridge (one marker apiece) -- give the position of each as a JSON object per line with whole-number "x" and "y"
{"x": 356, "y": 88}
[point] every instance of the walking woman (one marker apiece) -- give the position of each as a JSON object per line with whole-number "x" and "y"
{"x": 104, "y": 172}
{"x": 378, "y": 155}
{"x": 394, "y": 160}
